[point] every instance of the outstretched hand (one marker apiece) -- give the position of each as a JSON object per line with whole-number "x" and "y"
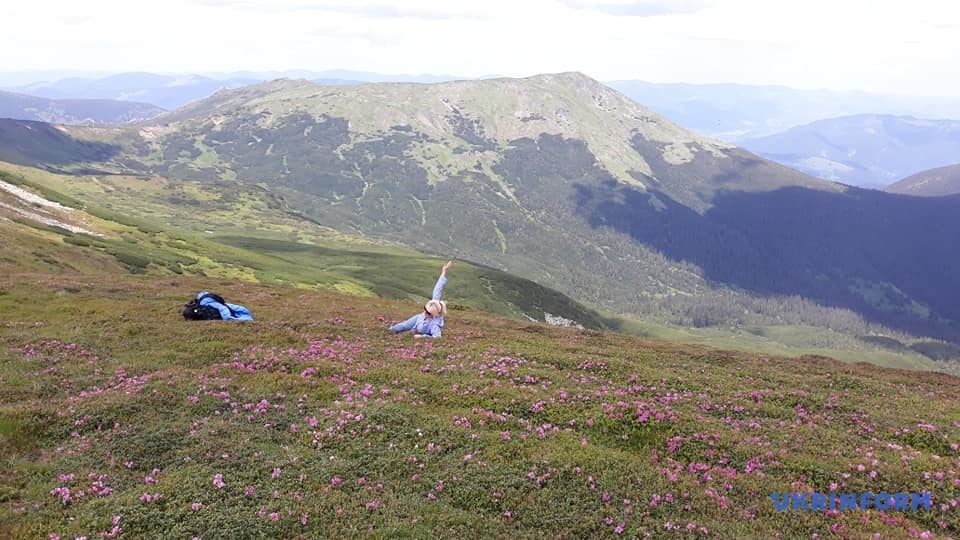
{"x": 443, "y": 271}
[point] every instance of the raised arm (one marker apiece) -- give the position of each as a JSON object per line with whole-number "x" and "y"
{"x": 441, "y": 281}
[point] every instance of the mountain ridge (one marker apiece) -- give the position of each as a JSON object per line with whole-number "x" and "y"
{"x": 937, "y": 182}
{"x": 866, "y": 150}
{"x": 506, "y": 109}
{"x": 734, "y": 112}
{"x": 74, "y": 111}
{"x": 471, "y": 174}
{"x": 381, "y": 106}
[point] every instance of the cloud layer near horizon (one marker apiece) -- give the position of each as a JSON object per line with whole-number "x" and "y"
{"x": 884, "y": 46}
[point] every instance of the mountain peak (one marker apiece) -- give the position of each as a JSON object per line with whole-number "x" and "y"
{"x": 567, "y": 77}
{"x": 490, "y": 113}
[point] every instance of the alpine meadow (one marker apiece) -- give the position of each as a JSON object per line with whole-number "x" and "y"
{"x": 651, "y": 333}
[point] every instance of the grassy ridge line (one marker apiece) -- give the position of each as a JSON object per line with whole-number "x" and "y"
{"x": 313, "y": 421}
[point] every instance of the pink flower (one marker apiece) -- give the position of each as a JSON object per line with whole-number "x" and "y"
{"x": 336, "y": 480}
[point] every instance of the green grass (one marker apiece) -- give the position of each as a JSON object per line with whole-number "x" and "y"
{"x": 789, "y": 340}
{"x": 315, "y": 412}
{"x": 119, "y": 419}
{"x": 155, "y": 226}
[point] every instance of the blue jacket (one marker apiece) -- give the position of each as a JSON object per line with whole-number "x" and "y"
{"x": 228, "y": 312}
{"x": 428, "y": 326}
{"x": 432, "y": 326}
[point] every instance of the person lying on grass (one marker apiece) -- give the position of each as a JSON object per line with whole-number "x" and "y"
{"x": 429, "y": 322}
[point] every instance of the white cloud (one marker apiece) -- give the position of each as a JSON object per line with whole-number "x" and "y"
{"x": 638, "y": 8}
{"x": 415, "y": 9}
{"x": 907, "y": 46}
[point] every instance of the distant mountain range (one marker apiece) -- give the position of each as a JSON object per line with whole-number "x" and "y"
{"x": 727, "y": 111}
{"x": 562, "y": 180}
{"x": 937, "y": 182}
{"x": 865, "y": 150}
{"x": 839, "y": 136}
{"x": 172, "y": 91}
{"x": 736, "y": 112}
{"x": 166, "y": 91}
{"x": 74, "y": 111}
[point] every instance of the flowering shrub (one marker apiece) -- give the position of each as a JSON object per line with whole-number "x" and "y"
{"x": 336, "y": 428}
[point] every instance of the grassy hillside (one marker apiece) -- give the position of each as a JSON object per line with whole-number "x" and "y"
{"x": 162, "y": 227}
{"x": 32, "y": 143}
{"x": 563, "y": 181}
{"x": 560, "y": 180}
{"x": 237, "y": 231}
{"x": 118, "y": 418}
{"x": 937, "y": 182}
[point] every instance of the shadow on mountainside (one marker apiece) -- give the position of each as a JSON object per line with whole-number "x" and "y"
{"x": 38, "y": 144}
{"x": 868, "y": 251}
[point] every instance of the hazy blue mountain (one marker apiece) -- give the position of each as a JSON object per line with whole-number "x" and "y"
{"x": 562, "y": 180}
{"x": 936, "y": 182}
{"x": 173, "y": 90}
{"x": 166, "y": 91}
{"x": 863, "y": 150}
{"x": 74, "y": 111}
{"x": 735, "y": 112}
{"x": 16, "y": 79}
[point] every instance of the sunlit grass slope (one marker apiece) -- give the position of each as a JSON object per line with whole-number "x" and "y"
{"x": 160, "y": 227}
{"x": 163, "y": 227}
{"x": 119, "y": 419}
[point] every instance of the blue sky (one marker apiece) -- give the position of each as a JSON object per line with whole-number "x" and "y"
{"x": 909, "y": 47}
